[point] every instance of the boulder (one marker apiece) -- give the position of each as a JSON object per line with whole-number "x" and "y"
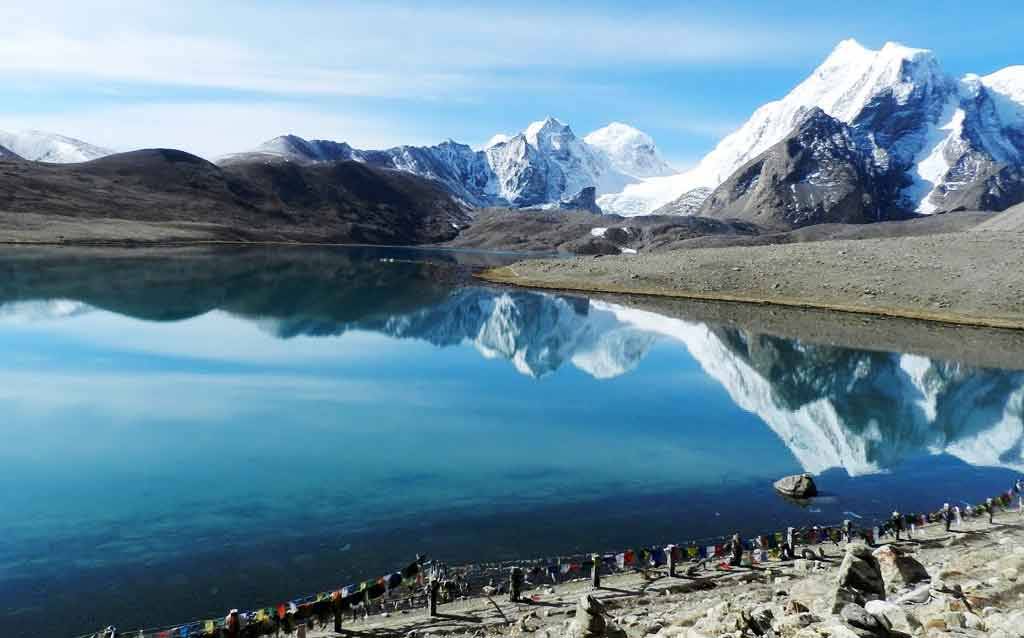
{"x": 590, "y": 621}
{"x": 863, "y": 623}
{"x": 899, "y": 570}
{"x": 859, "y": 579}
{"x": 899, "y": 618}
{"x": 796, "y": 486}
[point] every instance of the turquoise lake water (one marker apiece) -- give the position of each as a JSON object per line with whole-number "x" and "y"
{"x": 183, "y": 435}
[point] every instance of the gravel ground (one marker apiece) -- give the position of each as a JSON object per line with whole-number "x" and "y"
{"x": 974, "y": 590}
{"x": 971, "y": 278}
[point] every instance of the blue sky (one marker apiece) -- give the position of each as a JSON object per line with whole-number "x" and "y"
{"x": 215, "y": 77}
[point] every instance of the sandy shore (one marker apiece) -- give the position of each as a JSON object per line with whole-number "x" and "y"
{"x": 969, "y": 278}
{"x": 975, "y": 588}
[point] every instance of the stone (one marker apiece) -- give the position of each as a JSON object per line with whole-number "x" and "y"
{"x": 1011, "y": 574}
{"x": 858, "y": 618}
{"x": 590, "y": 621}
{"x": 954, "y": 619}
{"x": 897, "y": 617}
{"x": 920, "y": 595}
{"x": 973, "y": 621}
{"x": 899, "y": 569}
{"x": 796, "y": 486}
{"x": 859, "y": 579}
{"x": 794, "y": 607}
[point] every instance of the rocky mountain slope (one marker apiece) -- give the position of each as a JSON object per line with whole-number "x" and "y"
{"x": 941, "y": 143}
{"x": 7, "y": 154}
{"x": 815, "y": 175}
{"x": 41, "y": 146}
{"x": 341, "y": 201}
{"x": 541, "y": 166}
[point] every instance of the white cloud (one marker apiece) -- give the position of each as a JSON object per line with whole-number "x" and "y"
{"x": 374, "y": 49}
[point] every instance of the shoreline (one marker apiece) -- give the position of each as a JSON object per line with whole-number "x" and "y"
{"x": 960, "y": 279}
{"x": 646, "y": 600}
{"x": 499, "y": 276}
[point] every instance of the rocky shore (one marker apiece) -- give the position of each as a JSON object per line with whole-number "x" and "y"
{"x": 961, "y": 278}
{"x": 964, "y": 583}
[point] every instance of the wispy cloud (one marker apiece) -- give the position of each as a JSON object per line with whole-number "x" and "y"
{"x": 376, "y": 49}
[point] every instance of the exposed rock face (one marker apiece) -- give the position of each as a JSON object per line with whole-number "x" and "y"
{"x": 796, "y": 486}
{"x": 815, "y": 175}
{"x": 898, "y": 569}
{"x": 859, "y": 579}
{"x": 933, "y": 141}
{"x": 586, "y": 199}
{"x": 590, "y": 621}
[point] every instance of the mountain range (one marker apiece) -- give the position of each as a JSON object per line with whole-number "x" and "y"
{"x": 870, "y": 135}
{"x": 541, "y": 166}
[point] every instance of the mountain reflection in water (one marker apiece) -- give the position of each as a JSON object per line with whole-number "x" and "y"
{"x": 186, "y": 431}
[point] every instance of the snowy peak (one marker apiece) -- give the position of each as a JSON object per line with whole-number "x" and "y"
{"x": 1007, "y": 88}
{"x": 547, "y": 131}
{"x": 497, "y": 138}
{"x": 42, "y": 146}
{"x": 629, "y": 150}
{"x": 931, "y": 142}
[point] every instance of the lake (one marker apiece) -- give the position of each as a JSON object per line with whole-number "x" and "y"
{"x": 190, "y": 432}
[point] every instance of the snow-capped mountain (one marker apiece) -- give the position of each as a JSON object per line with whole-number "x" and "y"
{"x": 941, "y": 142}
{"x": 541, "y": 166}
{"x": 629, "y": 151}
{"x": 40, "y": 146}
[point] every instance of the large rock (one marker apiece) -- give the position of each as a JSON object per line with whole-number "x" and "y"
{"x": 796, "y": 486}
{"x": 899, "y": 618}
{"x": 899, "y": 570}
{"x": 863, "y": 623}
{"x": 590, "y": 621}
{"x": 859, "y": 579}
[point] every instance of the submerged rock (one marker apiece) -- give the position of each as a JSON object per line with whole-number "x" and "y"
{"x": 796, "y": 486}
